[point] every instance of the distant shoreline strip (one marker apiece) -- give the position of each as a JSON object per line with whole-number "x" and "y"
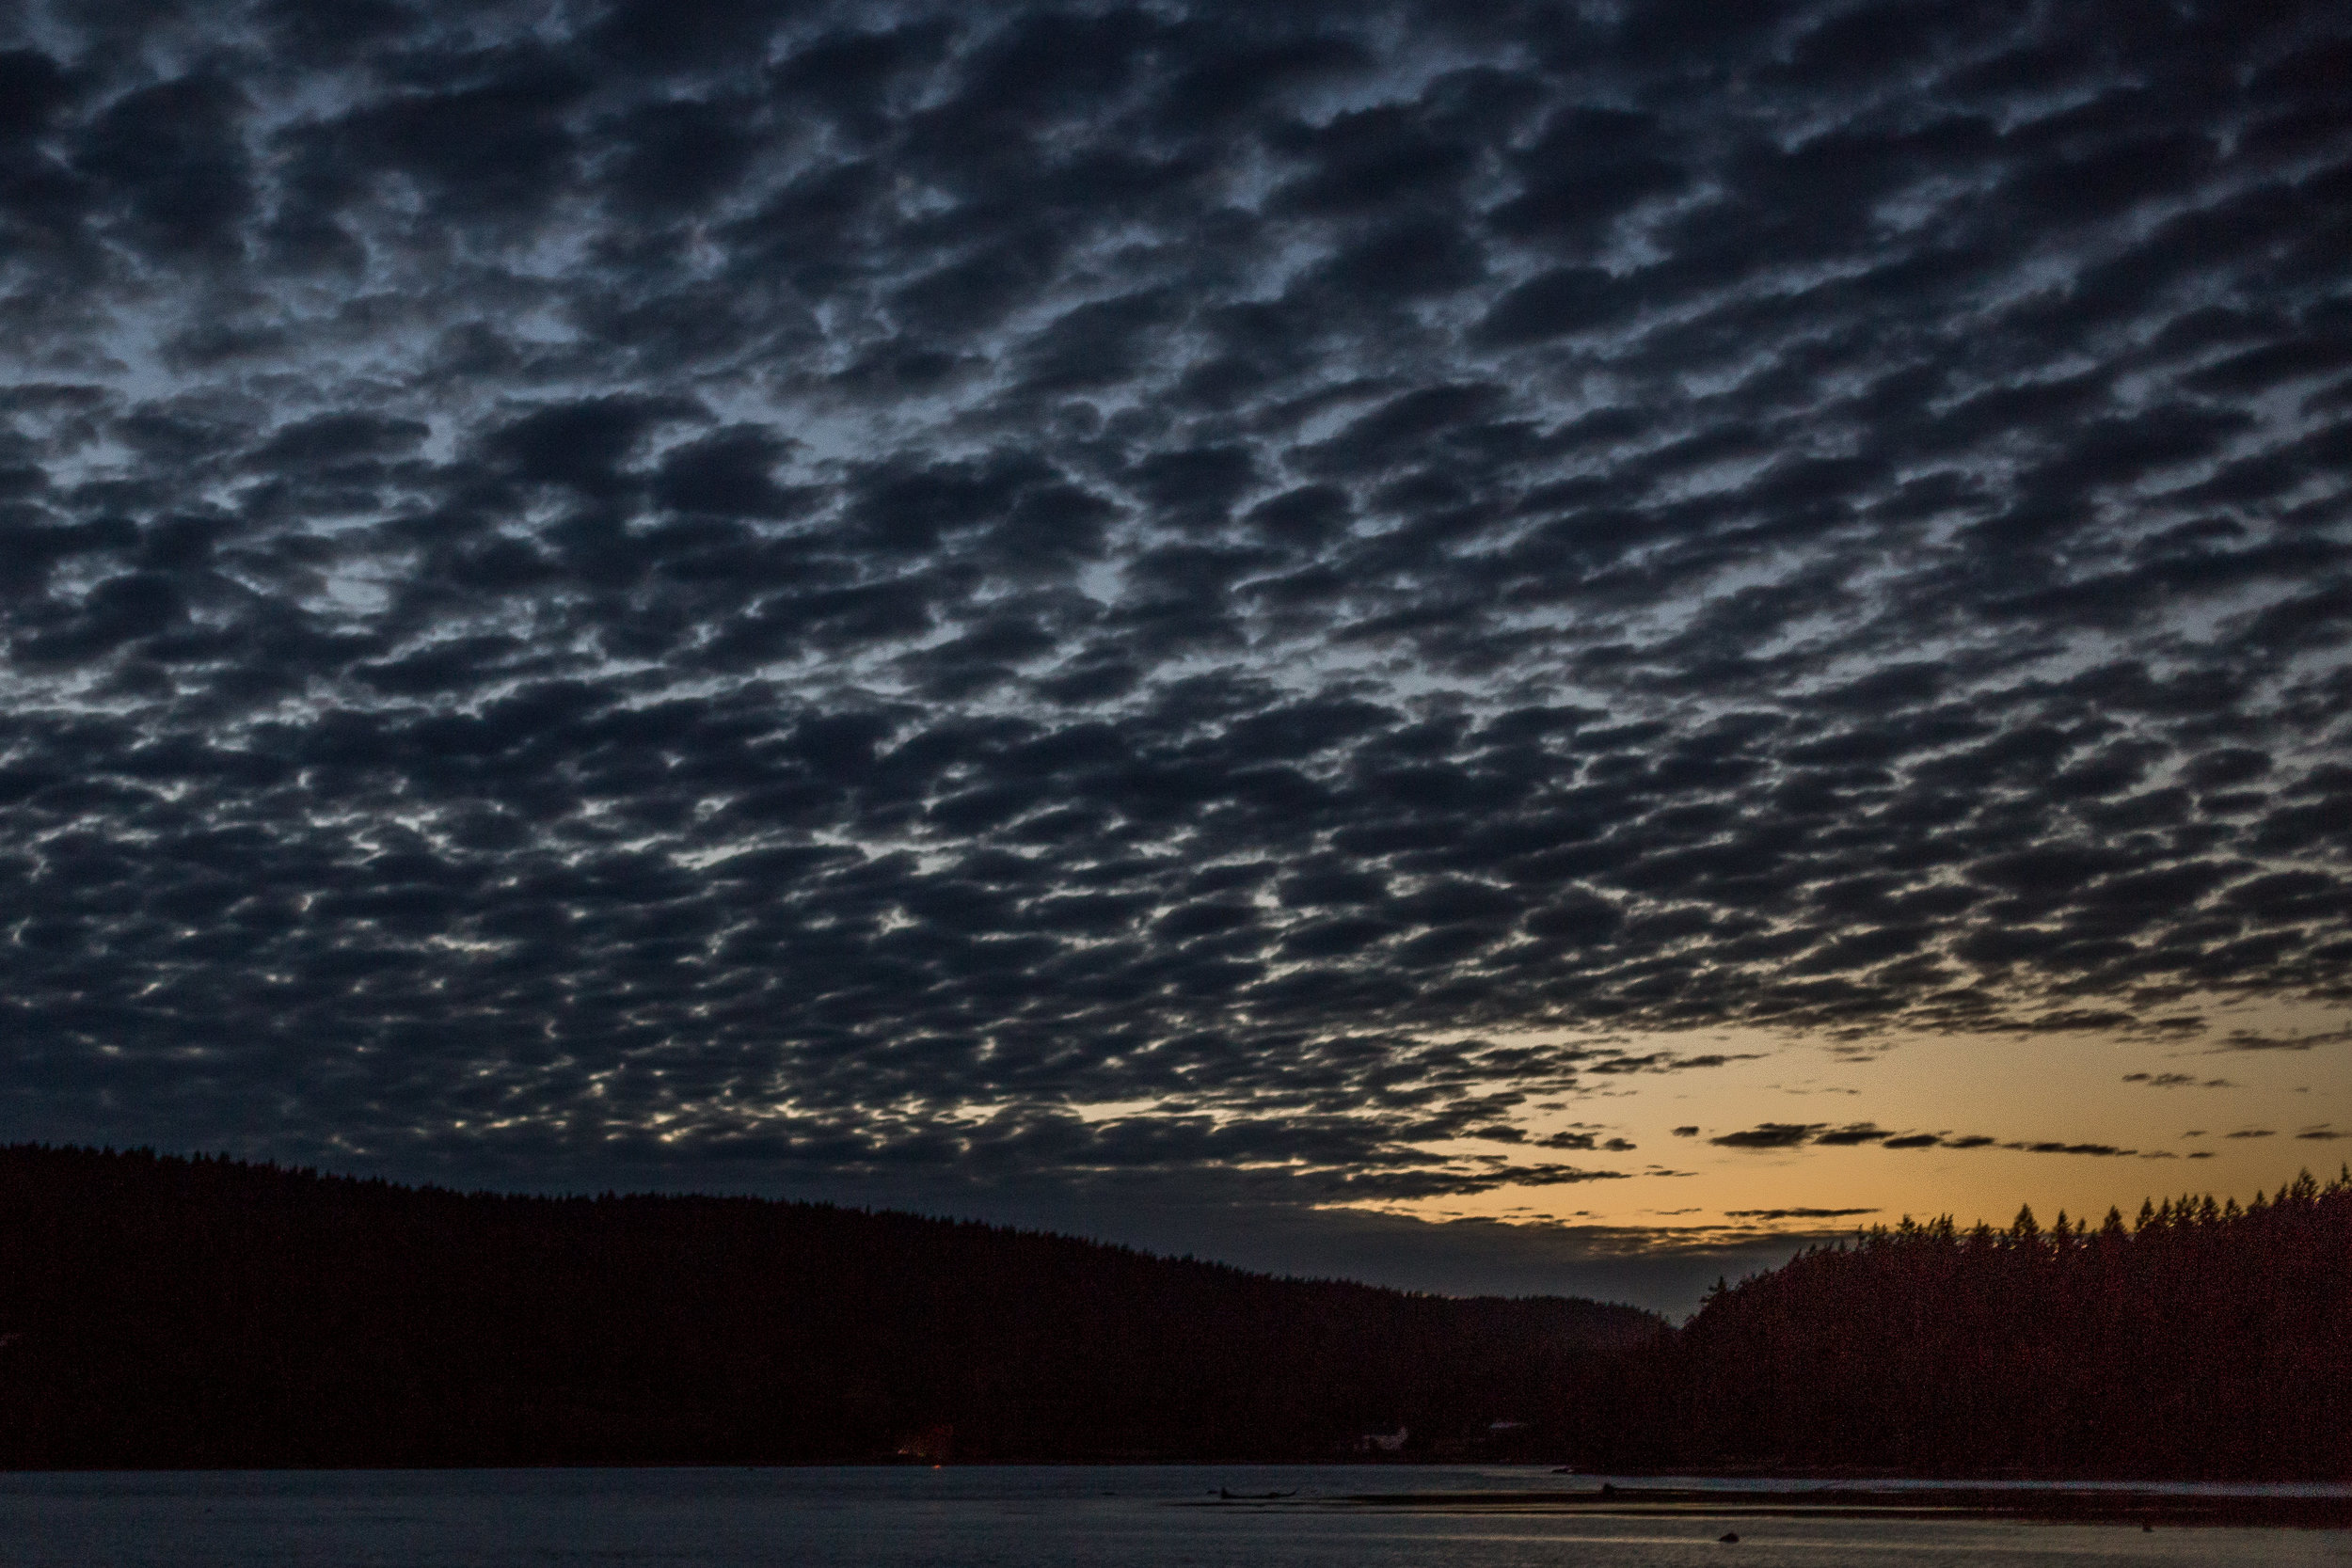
{"x": 2105, "y": 1506}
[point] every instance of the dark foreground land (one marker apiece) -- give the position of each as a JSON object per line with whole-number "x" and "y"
{"x": 2204, "y": 1340}
{"x": 159, "y": 1313}
{"x": 162, "y": 1312}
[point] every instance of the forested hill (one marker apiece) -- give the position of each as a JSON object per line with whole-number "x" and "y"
{"x": 163, "y": 1311}
{"x": 2206, "y": 1339}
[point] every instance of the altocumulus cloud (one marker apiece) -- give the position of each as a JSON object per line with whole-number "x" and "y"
{"x": 838, "y": 589}
{"x": 1782, "y": 1135}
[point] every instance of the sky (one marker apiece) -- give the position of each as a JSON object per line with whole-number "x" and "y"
{"x": 1508, "y": 647}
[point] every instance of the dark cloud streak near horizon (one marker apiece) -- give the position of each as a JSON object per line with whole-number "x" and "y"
{"x": 817, "y": 589}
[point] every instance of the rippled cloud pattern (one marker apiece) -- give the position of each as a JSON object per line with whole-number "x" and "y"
{"x": 844, "y": 587}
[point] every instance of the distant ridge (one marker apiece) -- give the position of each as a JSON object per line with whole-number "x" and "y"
{"x": 158, "y": 1311}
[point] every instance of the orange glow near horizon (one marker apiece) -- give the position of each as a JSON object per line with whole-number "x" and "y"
{"x": 2243, "y": 1121}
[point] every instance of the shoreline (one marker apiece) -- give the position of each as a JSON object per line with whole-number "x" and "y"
{"x": 2117, "y": 1503}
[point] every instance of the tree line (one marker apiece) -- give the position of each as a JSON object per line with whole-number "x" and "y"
{"x": 164, "y": 1311}
{"x": 2204, "y": 1339}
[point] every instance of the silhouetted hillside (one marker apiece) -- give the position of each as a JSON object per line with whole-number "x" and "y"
{"x": 163, "y": 1311}
{"x": 2206, "y": 1340}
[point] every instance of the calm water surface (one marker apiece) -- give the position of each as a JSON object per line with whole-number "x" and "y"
{"x": 1160, "y": 1516}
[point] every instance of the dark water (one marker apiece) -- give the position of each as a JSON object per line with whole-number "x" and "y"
{"x": 1140, "y": 1517}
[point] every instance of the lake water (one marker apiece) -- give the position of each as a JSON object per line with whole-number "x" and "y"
{"x": 1158, "y": 1517}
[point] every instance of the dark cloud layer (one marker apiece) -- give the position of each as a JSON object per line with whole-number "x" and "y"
{"x": 1787, "y": 1135}
{"x": 818, "y": 590}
